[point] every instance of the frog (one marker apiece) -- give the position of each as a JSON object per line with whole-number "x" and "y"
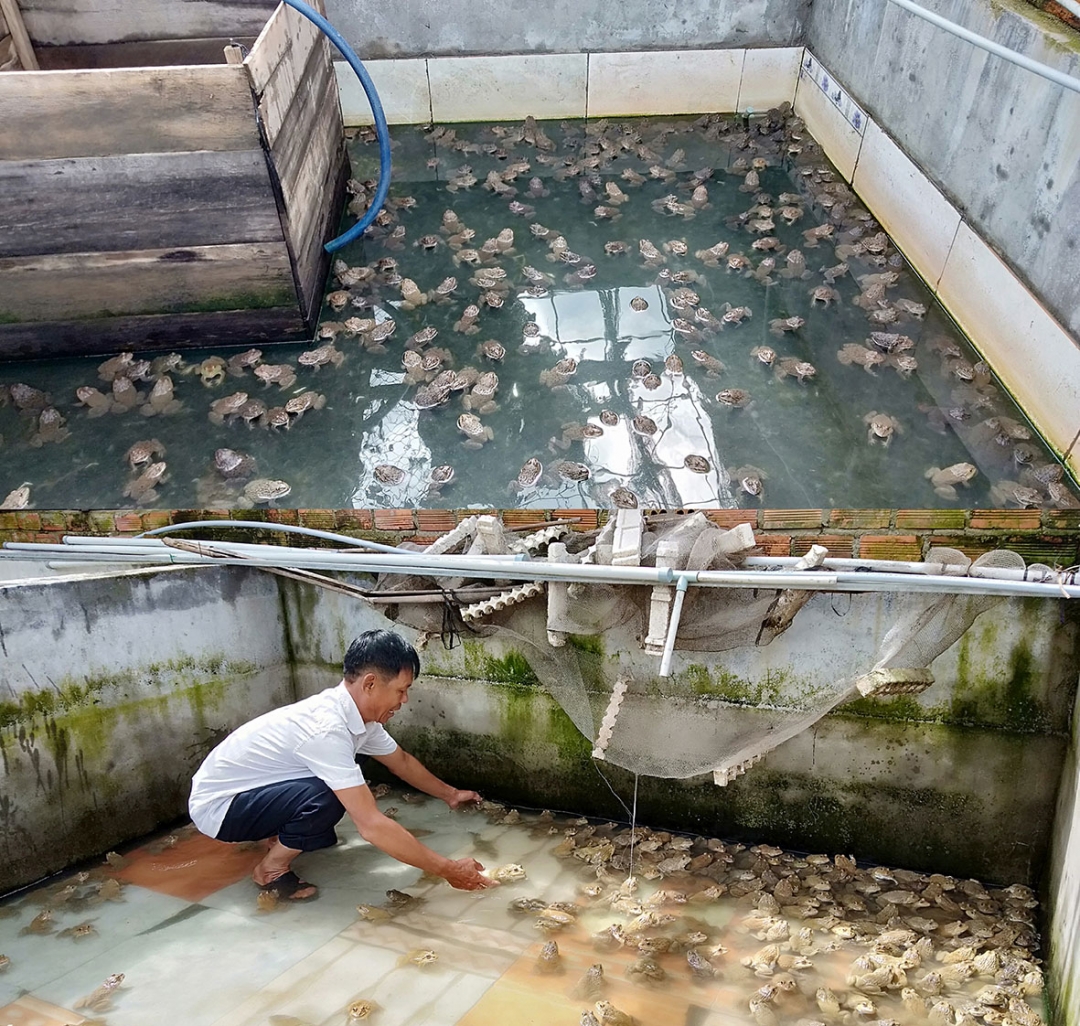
{"x": 263, "y": 490}
{"x": 440, "y": 477}
{"x": 673, "y": 365}
{"x": 608, "y": 1015}
{"x": 764, "y": 354}
{"x": 861, "y": 356}
{"x": 232, "y": 464}
{"x": 143, "y": 452}
{"x": 142, "y": 489}
{"x": 280, "y": 374}
{"x": 750, "y": 480}
{"x": 492, "y": 350}
{"x": 697, "y": 464}
{"x": 575, "y": 432}
{"x": 116, "y": 366}
{"x": 383, "y": 330}
{"x": 41, "y": 923}
{"x": 50, "y": 428}
{"x": 1060, "y": 496}
{"x": 428, "y": 243}
{"x": 640, "y": 368}
{"x": 338, "y": 299}
{"x": 4, "y": 962}
{"x": 251, "y": 411}
{"x": 644, "y": 425}
{"x": 712, "y": 366}
{"x": 239, "y": 362}
{"x": 814, "y": 236}
{"x": 558, "y": 375}
{"x": 476, "y": 434}
{"x": 1011, "y": 493}
{"x": 945, "y": 480}
{"x": 791, "y": 367}
{"x": 881, "y": 427}
{"x": 161, "y": 399}
{"x": 736, "y": 398}
{"x": 276, "y": 418}
{"x": 646, "y": 970}
{"x": 267, "y": 901}
{"x": 779, "y": 325}
{"x": 466, "y": 324}
{"x": 96, "y": 402}
{"x": 429, "y": 396}
{"x": 374, "y": 913}
{"x": 639, "y": 304}
{"x": 609, "y": 418}
{"x": 891, "y": 342}
{"x": 100, "y": 999}
{"x": 904, "y": 364}
{"x": 528, "y": 475}
{"x": 624, "y": 498}
{"x": 125, "y": 396}
{"x": 823, "y": 295}
{"x": 510, "y": 873}
{"x": 548, "y": 961}
{"x": 300, "y": 404}
{"x": 675, "y": 247}
{"x": 444, "y": 290}
{"x": 422, "y": 958}
{"x": 650, "y": 254}
{"x": 212, "y": 371}
{"x": 573, "y": 471}
{"x": 712, "y": 256}
{"x": 388, "y": 474}
{"x": 320, "y": 357}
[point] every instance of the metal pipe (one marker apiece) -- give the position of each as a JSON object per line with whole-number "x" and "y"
{"x": 901, "y": 567}
{"x": 673, "y": 626}
{"x": 1038, "y": 68}
{"x": 310, "y": 532}
{"x": 537, "y": 570}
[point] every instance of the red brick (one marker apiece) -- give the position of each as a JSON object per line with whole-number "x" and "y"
{"x": 729, "y": 518}
{"x": 514, "y": 518}
{"x": 355, "y": 520}
{"x": 773, "y": 544}
{"x": 100, "y": 521}
{"x": 156, "y": 518}
{"x": 1006, "y": 519}
{"x": 435, "y": 520}
{"x": 792, "y": 518}
{"x": 54, "y": 521}
{"x": 860, "y": 518}
{"x": 9, "y": 521}
{"x": 319, "y": 519}
{"x": 28, "y": 521}
{"x": 127, "y": 523}
{"x": 931, "y": 519}
{"x": 840, "y": 546}
{"x": 906, "y": 547}
{"x": 464, "y": 514}
{"x": 394, "y": 520}
{"x": 587, "y": 519}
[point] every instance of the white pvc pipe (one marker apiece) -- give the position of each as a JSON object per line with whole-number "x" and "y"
{"x": 1038, "y": 68}
{"x": 511, "y": 569}
{"x": 900, "y": 567}
{"x": 673, "y": 627}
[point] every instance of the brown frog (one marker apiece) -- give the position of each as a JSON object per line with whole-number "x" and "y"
{"x": 713, "y": 367}
{"x": 300, "y": 404}
{"x": 276, "y": 418}
{"x": 232, "y": 464}
{"x": 790, "y": 367}
{"x": 529, "y": 474}
{"x": 263, "y": 490}
{"x": 440, "y": 477}
{"x": 476, "y": 434}
{"x": 320, "y": 357}
{"x": 143, "y": 452}
{"x": 388, "y": 474}
{"x": 623, "y": 498}
{"x": 96, "y": 402}
{"x": 549, "y": 961}
{"x": 881, "y": 427}
{"x": 750, "y": 480}
{"x": 573, "y": 471}
{"x": 644, "y": 425}
{"x": 238, "y": 363}
{"x": 945, "y": 480}
{"x": 575, "y": 432}
{"x": 492, "y": 350}
{"x": 698, "y": 464}
{"x": 280, "y": 374}
{"x": 212, "y": 371}
{"x": 861, "y": 356}
{"x": 50, "y": 428}
{"x": 737, "y": 398}
{"x": 142, "y": 489}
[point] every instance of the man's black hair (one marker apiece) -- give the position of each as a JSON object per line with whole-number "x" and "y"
{"x": 385, "y": 651}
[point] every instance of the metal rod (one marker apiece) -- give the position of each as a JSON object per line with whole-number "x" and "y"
{"x": 504, "y": 568}
{"x": 1038, "y": 68}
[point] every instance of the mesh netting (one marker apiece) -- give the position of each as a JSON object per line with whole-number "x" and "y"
{"x": 687, "y": 725}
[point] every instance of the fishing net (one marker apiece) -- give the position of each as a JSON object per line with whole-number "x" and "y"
{"x": 594, "y": 648}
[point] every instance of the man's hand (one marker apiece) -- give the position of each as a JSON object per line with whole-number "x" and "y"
{"x": 464, "y": 874}
{"x": 459, "y": 798}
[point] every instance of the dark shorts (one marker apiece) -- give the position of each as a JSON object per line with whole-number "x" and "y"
{"x": 302, "y": 813}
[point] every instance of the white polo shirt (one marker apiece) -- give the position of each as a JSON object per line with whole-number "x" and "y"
{"x": 319, "y": 737}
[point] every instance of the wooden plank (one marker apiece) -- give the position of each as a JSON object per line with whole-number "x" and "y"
{"x": 23, "y": 47}
{"x": 287, "y": 39}
{"x": 290, "y": 78}
{"x": 152, "y": 333}
{"x": 312, "y": 262}
{"x": 141, "y": 53}
{"x": 306, "y": 207}
{"x": 137, "y": 201}
{"x": 81, "y": 285}
{"x": 91, "y": 21}
{"x": 314, "y": 106}
{"x": 130, "y": 110}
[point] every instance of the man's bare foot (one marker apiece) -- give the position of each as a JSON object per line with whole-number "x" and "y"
{"x": 275, "y": 866}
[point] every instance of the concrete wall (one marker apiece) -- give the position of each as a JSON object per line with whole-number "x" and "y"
{"x": 1001, "y": 142}
{"x": 974, "y": 762}
{"x": 113, "y": 689}
{"x": 415, "y": 28}
{"x": 1064, "y": 896}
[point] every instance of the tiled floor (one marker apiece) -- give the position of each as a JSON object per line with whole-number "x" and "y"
{"x": 194, "y": 949}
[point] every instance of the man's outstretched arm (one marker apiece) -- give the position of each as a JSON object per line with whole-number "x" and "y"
{"x": 413, "y": 771}
{"x": 398, "y": 843}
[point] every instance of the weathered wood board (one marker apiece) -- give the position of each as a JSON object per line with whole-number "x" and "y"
{"x": 135, "y": 201}
{"x": 152, "y": 332}
{"x": 125, "y": 111}
{"x": 81, "y": 285}
{"x": 110, "y": 21}
{"x": 144, "y": 53}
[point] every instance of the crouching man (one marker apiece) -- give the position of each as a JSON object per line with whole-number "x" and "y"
{"x": 293, "y": 772}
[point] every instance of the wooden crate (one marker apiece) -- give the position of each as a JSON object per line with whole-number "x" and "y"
{"x": 167, "y": 207}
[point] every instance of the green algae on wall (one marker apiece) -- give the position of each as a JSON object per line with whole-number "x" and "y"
{"x": 777, "y": 688}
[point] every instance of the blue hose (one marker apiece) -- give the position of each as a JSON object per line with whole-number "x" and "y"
{"x": 381, "y": 131}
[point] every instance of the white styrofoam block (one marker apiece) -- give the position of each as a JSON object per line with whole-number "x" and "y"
{"x": 402, "y": 86}
{"x": 664, "y": 82}
{"x": 545, "y": 85}
{"x": 1034, "y": 356}
{"x": 920, "y": 220}
{"x": 769, "y": 77}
